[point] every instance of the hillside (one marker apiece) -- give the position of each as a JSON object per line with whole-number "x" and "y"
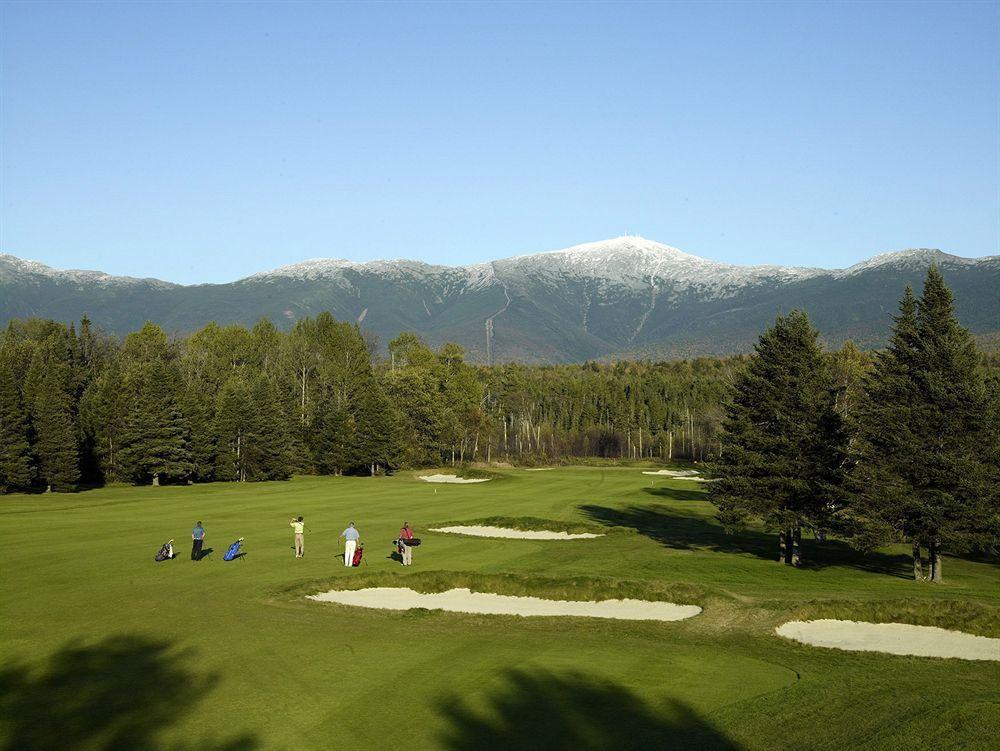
{"x": 627, "y": 296}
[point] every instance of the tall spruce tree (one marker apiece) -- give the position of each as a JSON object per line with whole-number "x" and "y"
{"x": 155, "y": 440}
{"x": 251, "y": 431}
{"x": 784, "y": 447}
{"x": 926, "y": 470}
{"x": 52, "y": 414}
{"x": 15, "y": 449}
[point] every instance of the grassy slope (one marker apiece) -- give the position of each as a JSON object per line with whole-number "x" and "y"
{"x": 101, "y": 646}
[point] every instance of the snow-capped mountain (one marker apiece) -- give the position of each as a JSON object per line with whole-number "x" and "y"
{"x": 624, "y": 296}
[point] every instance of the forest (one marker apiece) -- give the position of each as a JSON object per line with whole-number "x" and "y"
{"x": 80, "y": 408}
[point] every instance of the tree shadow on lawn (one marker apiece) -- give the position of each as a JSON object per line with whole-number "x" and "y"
{"x": 685, "y": 532}
{"x": 115, "y": 695}
{"x": 576, "y": 712}
{"x": 677, "y": 495}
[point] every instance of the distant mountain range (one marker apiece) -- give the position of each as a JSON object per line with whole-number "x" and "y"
{"x": 625, "y": 297}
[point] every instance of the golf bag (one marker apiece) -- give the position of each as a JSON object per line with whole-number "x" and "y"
{"x": 358, "y": 553}
{"x": 235, "y": 551}
{"x": 164, "y": 553}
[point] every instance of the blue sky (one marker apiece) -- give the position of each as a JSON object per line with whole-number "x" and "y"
{"x": 205, "y": 142}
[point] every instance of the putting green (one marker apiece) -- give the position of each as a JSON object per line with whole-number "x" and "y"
{"x": 101, "y": 646}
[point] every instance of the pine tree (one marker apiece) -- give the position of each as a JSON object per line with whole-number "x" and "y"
{"x": 925, "y": 468}
{"x": 52, "y": 415}
{"x": 155, "y": 437}
{"x": 251, "y": 432}
{"x": 377, "y": 438}
{"x": 268, "y": 445}
{"x": 331, "y": 439}
{"x": 15, "y": 450}
{"x": 784, "y": 446}
{"x": 232, "y": 430}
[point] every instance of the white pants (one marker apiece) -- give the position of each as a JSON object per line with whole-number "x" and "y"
{"x": 349, "y": 548}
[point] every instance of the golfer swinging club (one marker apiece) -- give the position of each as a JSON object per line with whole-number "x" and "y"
{"x": 351, "y": 538}
{"x": 298, "y": 526}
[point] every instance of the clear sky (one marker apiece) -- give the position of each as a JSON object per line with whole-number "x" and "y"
{"x": 205, "y": 142}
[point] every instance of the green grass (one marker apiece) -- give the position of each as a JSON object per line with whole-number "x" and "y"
{"x": 102, "y": 648}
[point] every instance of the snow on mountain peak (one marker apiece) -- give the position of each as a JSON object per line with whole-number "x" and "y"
{"x": 9, "y": 263}
{"x": 911, "y": 258}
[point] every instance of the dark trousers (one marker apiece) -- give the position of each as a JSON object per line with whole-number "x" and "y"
{"x": 196, "y": 549}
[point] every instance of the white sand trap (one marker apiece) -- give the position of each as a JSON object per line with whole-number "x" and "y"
{"x": 453, "y": 479}
{"x": 892, "y": 638}
{"x": 466, "y": 601}
{"x": 513, "y": 534}
{"x": 538, "y": 469}
{"x": 674, "y": 472}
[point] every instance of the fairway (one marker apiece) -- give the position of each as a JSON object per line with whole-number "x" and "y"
{"x": 103, "y": 648}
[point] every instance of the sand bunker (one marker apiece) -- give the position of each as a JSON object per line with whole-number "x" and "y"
{"x": 513, "y": 534}
{"x": 466, "y": 601}
{"x": 674, "y": 472}
{"x": 539, "y": 469}
{"x": 452, "y": 478}
{"x": 891, "y": 638}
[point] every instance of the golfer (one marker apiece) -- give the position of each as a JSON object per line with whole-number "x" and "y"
{"x": 406, "y": 550}
{"x": 197, "y": 540}
{"x": 299, "y": 527}
{"x": 351, "y": 538}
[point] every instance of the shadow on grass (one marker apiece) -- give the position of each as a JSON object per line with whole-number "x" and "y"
{"x": 686, "y": 532}
{"x": 576, "y": 712}
{"x": 676, "y": 495}
{"x": 118, "y": 694}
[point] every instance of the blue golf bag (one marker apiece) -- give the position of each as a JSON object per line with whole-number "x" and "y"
{"x": 235, "y": 551}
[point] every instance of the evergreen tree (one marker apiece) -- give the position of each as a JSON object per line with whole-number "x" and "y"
{"x": 926, "y": 470}
{"x": 251, "y": 432}
{"x": 784, "y": 445}
{"x": 331, "y": 439}
{"x": 377, "y": 438}
{"x": 199, "y": 411}
{"x": 15, "y": 450}
{"x": 52, "y": 414}
{"x": 267, "y": 449}
{"x": 154, "y": 444}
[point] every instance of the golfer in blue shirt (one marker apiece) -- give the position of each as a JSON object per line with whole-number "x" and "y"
{"x": 351, "y": 537}
{"x": 197, "y": 540}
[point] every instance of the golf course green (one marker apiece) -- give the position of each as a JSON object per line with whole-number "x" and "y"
{"x": 104, "y": 649}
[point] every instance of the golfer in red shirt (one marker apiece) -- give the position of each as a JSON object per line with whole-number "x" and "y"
{"x": 406, "y": 550}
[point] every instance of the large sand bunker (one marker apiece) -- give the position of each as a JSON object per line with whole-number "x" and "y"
{"x": 891, "y": 638}
{"x": 466, "y": 601}
{"x": 513, "y": 534}
{"x": 673, "y": 472}
{"x": 452, "y": 479}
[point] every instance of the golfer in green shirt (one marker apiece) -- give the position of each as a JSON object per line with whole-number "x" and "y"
{"x": 299, "y": 527}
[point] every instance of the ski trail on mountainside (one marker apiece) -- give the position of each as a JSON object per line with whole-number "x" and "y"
{"x": 653, "y": 291}
{"x": 489, "y": 321}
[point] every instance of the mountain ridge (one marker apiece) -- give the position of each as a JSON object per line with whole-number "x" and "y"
{"x": 615, "y": 297}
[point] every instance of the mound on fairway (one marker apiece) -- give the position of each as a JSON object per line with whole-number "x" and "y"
{"x": 452, "y": 479}
{"x": 673, "y": 472}
{"x": 891, "y": 638}
{"x": 513, "y": 534}
{"x": 467, "y": 601}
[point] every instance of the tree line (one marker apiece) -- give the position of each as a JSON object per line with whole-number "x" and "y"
{"x": 902, "y": 447}
{"x": 81, "y": 408}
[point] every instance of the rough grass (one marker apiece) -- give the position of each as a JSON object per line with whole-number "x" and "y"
{"x": 958, "y": 615}
{"x": 587, "y": 588}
